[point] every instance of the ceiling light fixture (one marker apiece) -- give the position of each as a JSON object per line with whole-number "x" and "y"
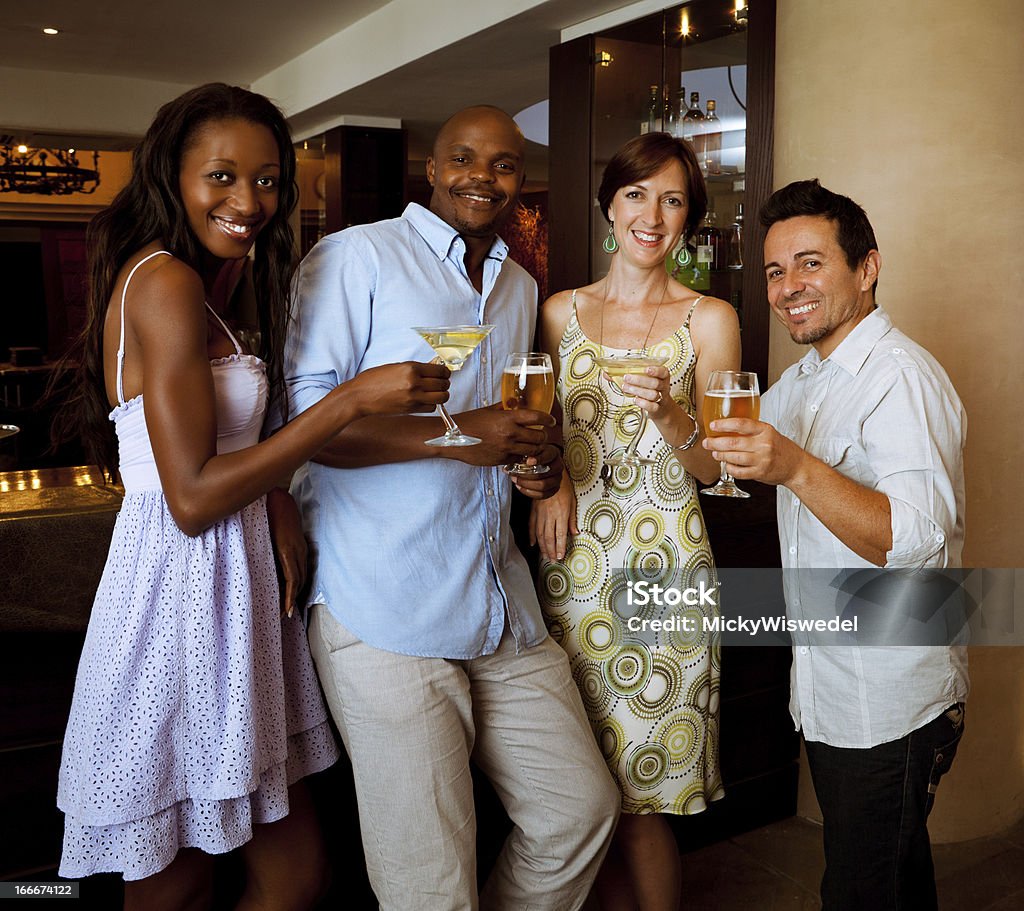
{"x": 46, "y": 172}
{"x": 50, "y": 30}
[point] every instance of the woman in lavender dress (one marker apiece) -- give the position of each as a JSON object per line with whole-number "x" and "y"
{"x": 196, "y": 708}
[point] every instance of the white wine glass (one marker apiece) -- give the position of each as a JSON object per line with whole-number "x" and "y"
{"x": 618, "y": 366}
{"x": 730, "y": 394}
{"x": 453, "y": 346}
{"x": 528, "y": 381}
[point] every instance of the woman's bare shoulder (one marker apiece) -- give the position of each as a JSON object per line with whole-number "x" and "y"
{"x": 164, "y": 296}
{"x": 557, "y": 309}
{"x": 713, "y": 314}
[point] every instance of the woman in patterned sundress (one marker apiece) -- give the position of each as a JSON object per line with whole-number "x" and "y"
{"x": 196, "y": 709}
{"x": 652, "y": 697}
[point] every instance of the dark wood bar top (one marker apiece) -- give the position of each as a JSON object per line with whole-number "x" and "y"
{"x": 55, "y": 527}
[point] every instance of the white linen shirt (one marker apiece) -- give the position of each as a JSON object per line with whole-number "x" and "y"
{"x": 881, "y": 411}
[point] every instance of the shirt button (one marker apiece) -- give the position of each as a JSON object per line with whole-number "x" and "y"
{"x": 814, "y": 407}
{"x": 940, "y": 538}
{"x": 804, "y": 649}
{"x": 490, "y": 491}
{"x": 490, "y": 538}
{"x": 792, "y": 550}
{"x": 483, "y": 358}
{"x": 897, "y": 351}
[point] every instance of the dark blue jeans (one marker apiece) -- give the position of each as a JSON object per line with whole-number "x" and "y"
{"x": 875, "y": 804}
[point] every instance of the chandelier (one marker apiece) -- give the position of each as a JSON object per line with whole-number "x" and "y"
{"x": 46, "y": 172}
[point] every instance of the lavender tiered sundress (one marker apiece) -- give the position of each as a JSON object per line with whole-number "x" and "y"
{"x": 196, "y": 705}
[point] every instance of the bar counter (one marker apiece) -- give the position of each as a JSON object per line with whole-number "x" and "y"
{"x": 55, "y": 527}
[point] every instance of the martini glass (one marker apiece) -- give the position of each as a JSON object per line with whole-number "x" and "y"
{"x": 618, "y": 366}
{"x": 453, "y": 346}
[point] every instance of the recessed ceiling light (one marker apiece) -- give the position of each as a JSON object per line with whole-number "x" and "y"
{"x": 49, "y": 30}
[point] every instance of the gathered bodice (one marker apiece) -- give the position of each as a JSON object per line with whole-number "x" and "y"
{"x": 240, "y": 386}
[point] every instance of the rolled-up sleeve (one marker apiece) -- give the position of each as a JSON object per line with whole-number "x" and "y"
{"x": 333, "y": 296}
{"x": 914, "y": 443}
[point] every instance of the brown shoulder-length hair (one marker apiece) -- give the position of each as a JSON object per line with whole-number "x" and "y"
{"x": 646, "y": 155}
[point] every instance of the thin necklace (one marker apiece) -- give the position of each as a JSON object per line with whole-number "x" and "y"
{"x": 650, "y": 329}
{"x": 607, "y": 473}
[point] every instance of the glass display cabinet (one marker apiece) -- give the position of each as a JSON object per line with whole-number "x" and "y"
{"x": 665, "y": 71}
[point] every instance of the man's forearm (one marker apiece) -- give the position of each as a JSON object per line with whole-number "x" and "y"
{"x": 859, "y": 517}
{"x": 382, "y": 440}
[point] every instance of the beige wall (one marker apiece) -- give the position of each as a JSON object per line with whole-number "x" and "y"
{"x": 913, "y": 109}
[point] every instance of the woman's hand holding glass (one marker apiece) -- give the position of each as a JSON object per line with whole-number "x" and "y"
{"x": 651, "y": 390}
{"x": 400, "y": 388}
{"x": 617, "y": 369}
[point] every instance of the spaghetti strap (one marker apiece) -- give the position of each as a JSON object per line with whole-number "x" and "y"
{"x": 227, "y": 331}
{"x": 693, "y": 307}
{"x": 120, "y": 344}
{"x": 574, "y": 313}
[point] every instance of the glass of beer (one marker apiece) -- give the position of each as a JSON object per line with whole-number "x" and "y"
{"x": 528, "y": 381}
{"x": 730, "y": 394}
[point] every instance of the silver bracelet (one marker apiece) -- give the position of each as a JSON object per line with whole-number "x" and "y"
{"x": 691, "y": 440}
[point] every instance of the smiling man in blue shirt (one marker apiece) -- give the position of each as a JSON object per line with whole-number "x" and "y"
{"x": 426, "y": 630}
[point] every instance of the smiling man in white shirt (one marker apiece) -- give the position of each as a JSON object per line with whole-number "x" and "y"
{"x": 864, "y": 438}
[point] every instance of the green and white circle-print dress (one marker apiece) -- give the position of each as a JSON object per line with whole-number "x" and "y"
{"x": 652, "y": 696}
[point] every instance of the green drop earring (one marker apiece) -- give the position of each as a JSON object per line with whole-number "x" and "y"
{"x": 610, "y": 244}
{"x": 683, "y": 257}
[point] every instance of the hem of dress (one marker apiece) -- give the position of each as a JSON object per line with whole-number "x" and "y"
{"x": 310, "y": 751}
{"x": 671, "y": 811}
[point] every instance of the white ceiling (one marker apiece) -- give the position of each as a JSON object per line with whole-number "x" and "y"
{"x": 184, "y": 41}
{"x": 143, "y": 53}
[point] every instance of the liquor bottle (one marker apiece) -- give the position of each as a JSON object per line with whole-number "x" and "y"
{"x": 736, "y": 240}
{"x": 693, "y": 129}
{"x": 676, "y": 114}
{"x": 712, "y": 140}
{"x": 709, "y": 243}
{"x": 652, "y": 118}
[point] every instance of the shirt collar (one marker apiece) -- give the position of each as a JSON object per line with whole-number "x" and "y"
{"x": 853, "y": 351}
{"x": 440, "y": 236}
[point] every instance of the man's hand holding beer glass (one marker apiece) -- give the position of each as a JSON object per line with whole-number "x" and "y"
{"x": 754, "y": 450}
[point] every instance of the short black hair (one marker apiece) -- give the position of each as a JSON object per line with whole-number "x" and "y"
{"x": 808, "y": 197}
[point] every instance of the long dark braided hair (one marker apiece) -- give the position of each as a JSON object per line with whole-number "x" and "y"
{"x": 150, "y": 209}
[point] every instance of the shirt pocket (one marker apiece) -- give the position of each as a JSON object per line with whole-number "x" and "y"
{"x": 844, "y": 455}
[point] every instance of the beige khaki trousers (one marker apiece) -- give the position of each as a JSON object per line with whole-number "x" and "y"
{"x": 410, "y": 726}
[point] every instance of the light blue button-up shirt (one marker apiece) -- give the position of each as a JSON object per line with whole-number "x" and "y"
{"x": 881, "y": 411}
{"x": 414, "y": 557}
